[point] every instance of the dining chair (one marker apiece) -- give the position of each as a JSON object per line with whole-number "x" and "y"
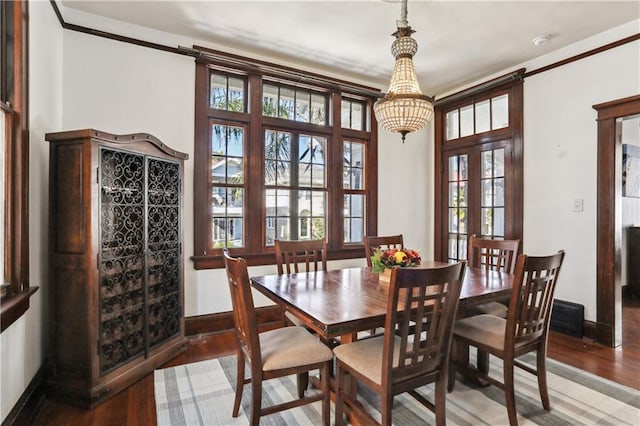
{"x": 382, "y": 242}
{"x": 275, "y": 353}
{"x": 290, "y": 255}
{"x": 497, "y": 255}
{"x": 422, "y": 304}
{"x": 524, "y": 330}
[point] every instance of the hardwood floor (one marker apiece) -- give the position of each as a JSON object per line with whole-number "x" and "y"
{"x": 136, "y": 406}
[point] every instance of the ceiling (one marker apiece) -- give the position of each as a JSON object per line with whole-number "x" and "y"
{"x": 459, "y": 42}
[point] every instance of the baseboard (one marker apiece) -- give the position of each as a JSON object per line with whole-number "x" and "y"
{"x": 222, "y": 322}
{"x": 590, "y": 330}
{"x": 24, "y": 411}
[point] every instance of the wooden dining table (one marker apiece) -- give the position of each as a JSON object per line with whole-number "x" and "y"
{"x": 340, "y": 303}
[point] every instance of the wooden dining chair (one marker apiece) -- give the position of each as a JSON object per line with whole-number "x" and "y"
{"x": 497, "y": 255}
{"x": 291, "y": 255}
{"x": 271, "y": 354}
{"x": 421, "y": 307}
{"x": 524, "y": 330}
{"x": 381, "y": 242}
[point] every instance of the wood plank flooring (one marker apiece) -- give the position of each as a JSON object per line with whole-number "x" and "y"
{"x": 136, "y": 406}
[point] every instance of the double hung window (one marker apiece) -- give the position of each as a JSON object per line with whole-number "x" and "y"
{"x": 276, "y": 159}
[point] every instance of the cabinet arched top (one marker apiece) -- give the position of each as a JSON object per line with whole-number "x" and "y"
{"x": 123, "y": 140}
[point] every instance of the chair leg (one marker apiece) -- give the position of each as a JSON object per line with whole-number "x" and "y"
{"x": 482, "y": 361}
{"x": 441, "y": 401}
{"x": 386, "y": 401}
{"x": 326, "y": 394}
{"x": 541, "y": 361}
{"x": 239, "y": 383}
{"x": 303, "y": 383}
{"x": 453, "y": 357}
{"x": 256, "y": 400}
{"x": 339, "y": 383}
{"x": 509, "y": 393}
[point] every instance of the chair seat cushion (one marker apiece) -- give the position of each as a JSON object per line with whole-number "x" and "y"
{"x": 291, "y": 347}
{"x": 492, "y": 308}
{"x": 486, "y": 329}
{"x": 365, "y": 356}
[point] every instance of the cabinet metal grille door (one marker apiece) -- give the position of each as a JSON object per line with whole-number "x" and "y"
{"x": 163, "y": 255}
{"x": 121, "y": 258}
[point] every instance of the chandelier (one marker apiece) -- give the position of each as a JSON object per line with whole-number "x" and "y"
{"x": 404, "y": 108}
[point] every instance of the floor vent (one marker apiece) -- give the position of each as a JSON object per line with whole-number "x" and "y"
{"x": 567, "y": 318}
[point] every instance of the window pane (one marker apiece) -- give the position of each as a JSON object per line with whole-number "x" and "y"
{"x": 487, "y": 164}
{"x": 486, "y": 225}
{"x": 453, "y": 219}
{"x": 353, "y": 165}
{"x": 487, "y": 193}
{"x": 462, "y": 194}
{"x": 345, "y": 114}
{"x": 227, "y": 163}
{"x": 354, "y": 213}
{"x": 303, "y": 106}
{"x": 311, "y": 170}
{"x": 218, "y": 97}
{"x": 452, "y": 125}
{"x": 453, "y": 167}
{"x": 286, "y": 103}
{"x": 500, "y": 112}
{"x": 269, "y": 100}
{"x": 462, "y": 246}
{"x": 498, "y": 162}
{"x": 453, "y": 194}
{"x": 227, "y": 212}
{"x": 482, "y": 116}
{"x": 453, "y": 247}
{"x": 498, "y": 191}
{"x": 318, "y": 109}
{"x": 466, "y": 121}
{"x": 498, "y": 226}
{"x": 464, "y": 161}
{"x": 236, "y": 94}
{"x": 357, "y": 114}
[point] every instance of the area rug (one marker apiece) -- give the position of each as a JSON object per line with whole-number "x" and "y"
{"x": 202, "y": 393}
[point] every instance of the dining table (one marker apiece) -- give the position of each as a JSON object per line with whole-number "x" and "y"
{"x": 339, "y": 303}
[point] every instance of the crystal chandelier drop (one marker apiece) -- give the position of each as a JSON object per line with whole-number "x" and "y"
{"x": 404, "y": 108}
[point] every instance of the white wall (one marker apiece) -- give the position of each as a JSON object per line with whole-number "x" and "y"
{"x": 22, "y": 345}
{"x": 560, "y": 153}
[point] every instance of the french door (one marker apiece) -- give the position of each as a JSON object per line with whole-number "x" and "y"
{"x": 479, "y": 167}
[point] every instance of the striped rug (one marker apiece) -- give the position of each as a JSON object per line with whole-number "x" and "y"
{"x": 202, "y": 394}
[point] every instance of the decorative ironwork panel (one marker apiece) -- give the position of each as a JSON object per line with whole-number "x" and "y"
{"x": 121, "y": 274}
{"x": 163, "y": 256}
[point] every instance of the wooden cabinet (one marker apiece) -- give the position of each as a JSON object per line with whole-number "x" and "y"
{"x": 633, "y": 260}
{"x": 115, "y": 262}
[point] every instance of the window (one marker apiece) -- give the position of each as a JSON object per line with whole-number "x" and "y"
{"x": 479, "y": 151}
{"x": 14, "y": 272}
{"x": 276, "y": 159}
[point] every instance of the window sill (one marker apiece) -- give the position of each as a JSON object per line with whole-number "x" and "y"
{"x": 14, "y": 306}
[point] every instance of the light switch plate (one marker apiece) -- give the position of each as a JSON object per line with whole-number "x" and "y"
{"x": 578, "y": 205}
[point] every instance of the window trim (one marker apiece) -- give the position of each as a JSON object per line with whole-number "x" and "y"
{"x": 14, "y": 93}
{"x": 255, "y": 252}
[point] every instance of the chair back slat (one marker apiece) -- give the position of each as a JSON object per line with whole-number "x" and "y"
{"x": 422, "y": 308}
{"x": 381, "y": 242}
{"x": 497, "y": 255}
{"x": 290, "y": 255}
{"x": 244, "y": 313}
{"x": 532, "y": 297}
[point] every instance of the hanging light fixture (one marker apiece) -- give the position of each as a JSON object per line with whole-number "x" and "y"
{"x": 404, "y": 108}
